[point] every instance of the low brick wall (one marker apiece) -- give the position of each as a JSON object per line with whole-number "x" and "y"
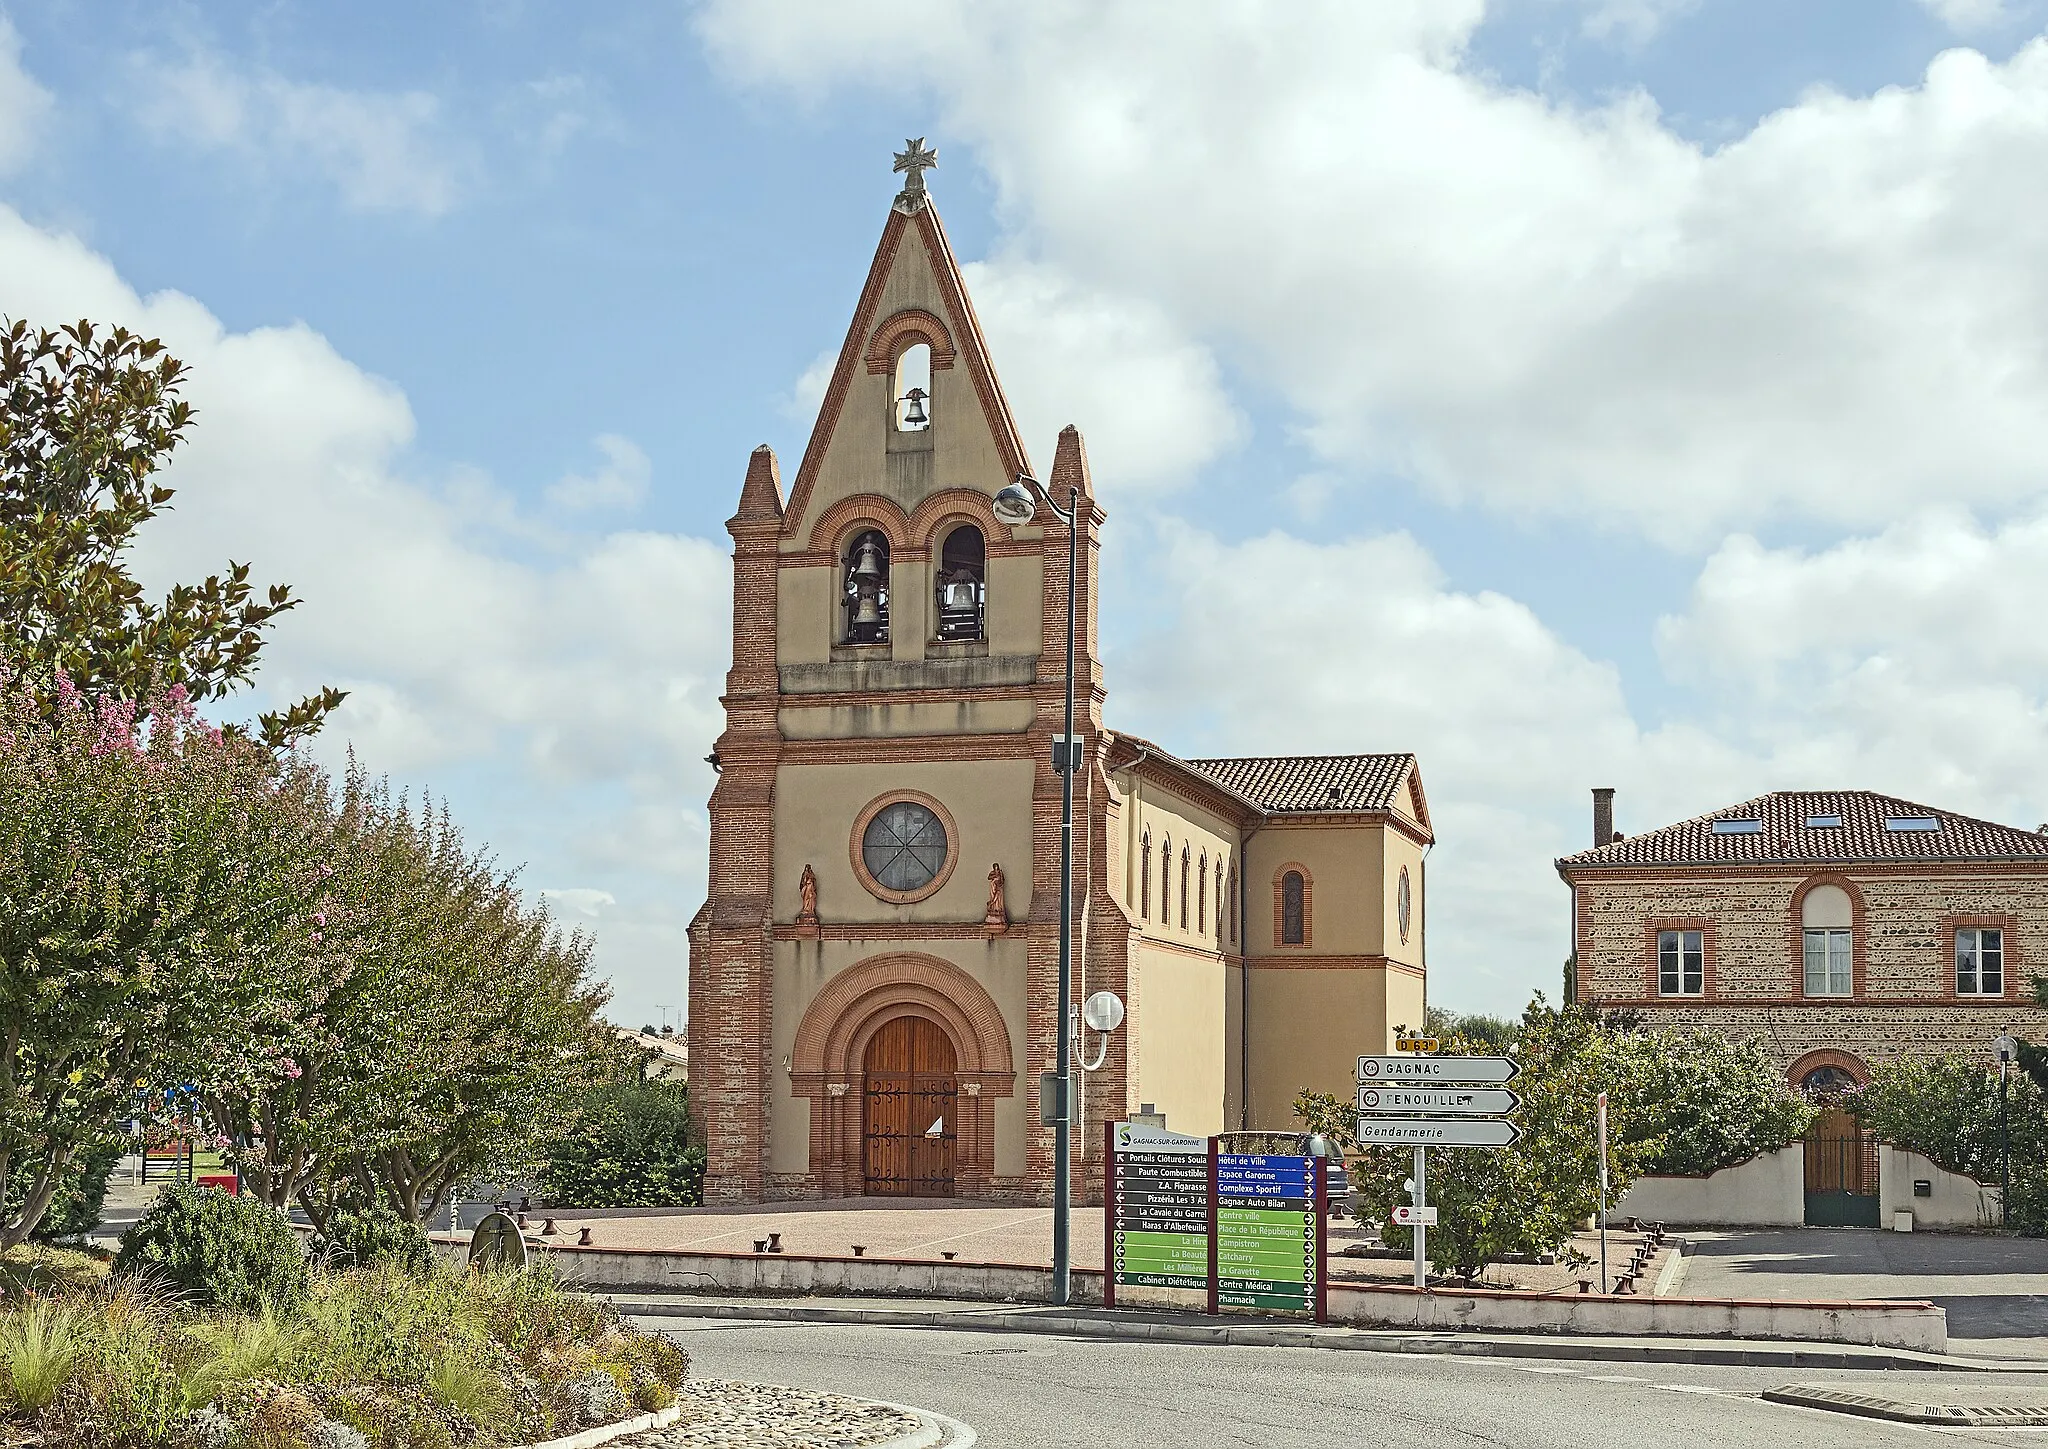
{"x": 1889, "y": 1324}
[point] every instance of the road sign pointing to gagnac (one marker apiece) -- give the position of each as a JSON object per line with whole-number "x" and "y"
{"x": 1425, "y": 1071}
{"x": 1436, "y": 1132}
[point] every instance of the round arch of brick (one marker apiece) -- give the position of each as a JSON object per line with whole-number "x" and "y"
{"x": 951, "y": 506}
{"x": 1308, "y": 911}
{"x": 837, "y": 525}
{"x": 1849, "y": 1062}
{"x": 827, "y": 1062}
{"x": 906, "y": 329}
{"x": 1858, "y": 944}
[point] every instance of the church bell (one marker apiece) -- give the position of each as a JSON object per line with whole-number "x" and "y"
{"x": 915, "y": 416}
{"x": 868, "y": 567}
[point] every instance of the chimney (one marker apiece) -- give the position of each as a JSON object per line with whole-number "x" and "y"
{"x": 1603, "y": 816}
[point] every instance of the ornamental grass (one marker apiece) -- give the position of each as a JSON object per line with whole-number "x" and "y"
{"x": 376, "y": 1358}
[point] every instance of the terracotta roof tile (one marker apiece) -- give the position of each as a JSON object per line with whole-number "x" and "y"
{"x": 1783, "y": 835}
{"x": 1307, "y": 782}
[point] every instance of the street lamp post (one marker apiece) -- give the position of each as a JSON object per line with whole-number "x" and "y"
{"x": 1016, "y": 505}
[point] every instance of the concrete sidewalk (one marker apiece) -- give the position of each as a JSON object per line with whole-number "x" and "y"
{"x": 1156, "y": 1326}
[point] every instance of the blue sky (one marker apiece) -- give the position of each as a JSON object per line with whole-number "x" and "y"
{"x": 1576, "y": 392}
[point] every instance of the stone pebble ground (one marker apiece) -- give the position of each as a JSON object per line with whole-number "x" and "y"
{"x": 722, "y": 1414}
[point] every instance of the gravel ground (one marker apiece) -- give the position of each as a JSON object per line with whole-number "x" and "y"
{"x": 723, "y": 1414}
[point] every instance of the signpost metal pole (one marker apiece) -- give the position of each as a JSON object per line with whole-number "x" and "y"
{"x": 1420, "y": 1197}
{"x": 1109, "y": 1214}
{"x": 1321, "y": 1175}
{"x": 1214, "y": 1286}
{"x": 1601, "y": 1112}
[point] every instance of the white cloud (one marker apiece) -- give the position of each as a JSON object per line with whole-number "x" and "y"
{"x": 1967, "y": 17}
{"x": 620, "y": 482}
{"x": 559, "y": 689}
{"x": 1632, "y": 22}
{"x": 382, "y": 151}
{"x": 579, "y": 900}
{"x": 1509, "y": 298}
{"x": 24, "y": 105}
{"x": 1149, "y": 400}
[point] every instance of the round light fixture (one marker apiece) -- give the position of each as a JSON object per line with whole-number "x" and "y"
{"x": 1014, "y": 504}
{"x": 1103, "y": 1011}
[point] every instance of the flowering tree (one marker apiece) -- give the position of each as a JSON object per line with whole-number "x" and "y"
{"x": 155, "y": 892}
{"x": 87, "y": 417}
{"x": 451, "y": 1036}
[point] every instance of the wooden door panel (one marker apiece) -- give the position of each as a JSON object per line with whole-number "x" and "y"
{"x": 909, "y": 1087}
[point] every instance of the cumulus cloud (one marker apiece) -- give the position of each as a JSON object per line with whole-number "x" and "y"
{"x": 1506, "y": 297}
{"x": 1150, "y": 400}
{"x": 1632, "y": 22}
{"x": 383, "y": 151}
{"x": 620, "y": 482}
{"x": 1969, "y": 16}
{"x": 23, "y": 104}
{"x": 557, "y": 688}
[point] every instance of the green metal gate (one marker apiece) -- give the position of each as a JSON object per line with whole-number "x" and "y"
{"x": 1841, "y": 1173}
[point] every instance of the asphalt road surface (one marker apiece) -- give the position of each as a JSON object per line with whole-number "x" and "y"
{"x": 1029, "y": 1392}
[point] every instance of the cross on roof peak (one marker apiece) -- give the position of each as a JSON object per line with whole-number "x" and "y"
{"x": 914, "y": 160}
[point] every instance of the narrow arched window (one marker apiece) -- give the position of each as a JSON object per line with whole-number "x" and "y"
{"x": 1219, "y": 900}
{"x": 1233, "y": 905}
{"x": 1145, "y": 876}
{"x": 864, "y": 589}
{"x": 1293, "y": 909}
{"x": 1183, "y": 887}
{"x": 961, "y": 583}
{"x": 1166, "y": 881}
{"x": 1202, "y": 896}
{"x": 914, "y": 389}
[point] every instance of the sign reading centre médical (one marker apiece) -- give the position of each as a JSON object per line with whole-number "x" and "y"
{"x": 1249, "y": 1228}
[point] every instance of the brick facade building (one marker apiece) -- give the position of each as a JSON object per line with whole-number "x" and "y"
{"x": 873, "y": 974}
{"x": 1843, "y": 928}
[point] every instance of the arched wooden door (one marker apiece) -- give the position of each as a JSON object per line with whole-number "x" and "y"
{"x": 1841, "y": 1172}
{"x": 907, "y": 1122}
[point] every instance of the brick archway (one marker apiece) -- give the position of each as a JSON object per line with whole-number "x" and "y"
{"x": 1828, "y": 1057}
{"x": 826, "y": 1062}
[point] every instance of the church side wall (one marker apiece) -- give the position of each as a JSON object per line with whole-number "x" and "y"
{"x": 1182, "y": 1049}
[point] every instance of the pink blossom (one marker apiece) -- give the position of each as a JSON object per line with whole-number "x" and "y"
{"x": 319, "y": 918}
{"x": 291, "y": 1069}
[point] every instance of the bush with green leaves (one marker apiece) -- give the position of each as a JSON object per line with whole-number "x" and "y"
{"x": 217, "y": 1248}
{"x": 630, "y": 1148}
{"x": 80, "y": 1193}
{"x": 361, "y": 1237}
{"x": 1946, "y": 1108}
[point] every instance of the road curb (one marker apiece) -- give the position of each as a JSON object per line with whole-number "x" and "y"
{"x": 934, "y": 1431}
{"x": 1869, "y": 1406}
{"x": 1752, "y": 1353}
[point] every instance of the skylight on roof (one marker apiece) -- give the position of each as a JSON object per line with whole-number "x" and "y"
{"x": 1738, "y": 827}
{"x": 1823, "y": 822}
{"x": 1911, "y": 822}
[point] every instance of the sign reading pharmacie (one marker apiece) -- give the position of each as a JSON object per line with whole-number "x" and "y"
{"x": 1251, "y": 1229}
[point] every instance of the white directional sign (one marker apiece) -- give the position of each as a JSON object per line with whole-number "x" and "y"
{"x": 1427, "y": 1071}
{"x": 1407, "y": 1216}
{"x": 1445, "y": 1101}
{"x": 1430, "y": 1132}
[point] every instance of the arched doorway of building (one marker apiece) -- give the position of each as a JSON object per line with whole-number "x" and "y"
{"x": 1841, "y": 1153}
{"x": 908, "y": 1126}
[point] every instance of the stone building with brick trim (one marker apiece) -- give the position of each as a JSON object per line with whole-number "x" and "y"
{"x": 873, "y": 974}
{"x": 1843, "y": 928}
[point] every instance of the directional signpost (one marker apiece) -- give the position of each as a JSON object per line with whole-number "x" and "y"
{"x": 1425, "y": 1101}
{"x": 1268, "y": 1249}
{"x": 1159, "y": 1209}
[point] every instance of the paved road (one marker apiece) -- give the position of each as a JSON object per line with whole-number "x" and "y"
{"x": 1028, "y": 1392}
{"x": 1994, "y": 1288}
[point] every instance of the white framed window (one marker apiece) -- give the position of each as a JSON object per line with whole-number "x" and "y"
{"x": 1830, "y": 962}
{"x": 1980, "y": 961}
{"x": 1681, "y": 963}
{"x": 1737, "y": 827}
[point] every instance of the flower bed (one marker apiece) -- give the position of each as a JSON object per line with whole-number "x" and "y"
{"x": 378, "y": 1358}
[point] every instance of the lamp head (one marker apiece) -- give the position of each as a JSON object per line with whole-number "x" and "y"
{"x": 1014, "y": 504}
{"x": 1103, "y": 1011}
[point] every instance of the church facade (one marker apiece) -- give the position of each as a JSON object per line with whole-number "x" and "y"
{"x": 873, "y": 976}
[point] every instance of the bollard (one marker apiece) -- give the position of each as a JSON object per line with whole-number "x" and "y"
{"x": 547, "y": 1228}
{"x": 775, "y": 1242}
{"x": 860, "y": 1250}
{"x": 583, "y": 1237}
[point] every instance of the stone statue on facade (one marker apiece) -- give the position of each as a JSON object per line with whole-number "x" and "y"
{"x": 807, "y": 909}
{"x": 997, "y": 919}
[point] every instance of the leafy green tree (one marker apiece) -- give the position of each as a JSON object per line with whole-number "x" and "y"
{"x": 630, "y": 1147}
{"x": 1676, "y": 1102}
{"x": 1946, "y": 1109}
{"x": 451, "y": 1039}
{"x": 154, "y": 896}
{"x": 88, "y": 416}
{"x": 1495, "y": 1035}
{"x": 1699, "y": 1101}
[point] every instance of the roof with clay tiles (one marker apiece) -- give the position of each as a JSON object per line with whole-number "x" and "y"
{"x": 1784, "y": 835}
{"x": 1322, "y": 783}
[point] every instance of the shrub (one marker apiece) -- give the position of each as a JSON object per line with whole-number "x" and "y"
{"x": 216, "y": 1248}
{"x": 74, "y": 1208}
{"x": 39, "y": 1343}
{"x": 372, "y": 1236}
{"x": 630, "y": 1148}
{"x": 1946, "y": 1109}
